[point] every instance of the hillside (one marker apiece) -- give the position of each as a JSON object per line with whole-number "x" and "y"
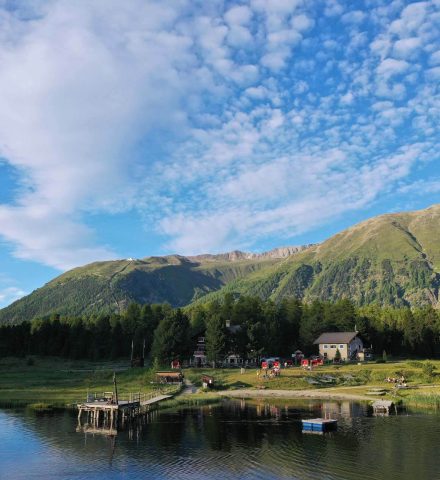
{"x": 392, "y": 259}
{"x": 107, "y": 287}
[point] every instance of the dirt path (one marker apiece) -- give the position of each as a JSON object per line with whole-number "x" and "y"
{"x": 189, "y": 389}
{"x": 326, "y": 394}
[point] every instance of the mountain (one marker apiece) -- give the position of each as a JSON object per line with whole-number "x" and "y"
{"x": 391, "y": 259}
{"x": 107, "y": 287}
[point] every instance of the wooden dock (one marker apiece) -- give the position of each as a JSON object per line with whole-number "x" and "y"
{"x": 383, "y": 407}
{"x": 106, "y": 413}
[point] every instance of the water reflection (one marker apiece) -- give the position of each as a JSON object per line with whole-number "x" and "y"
{"x": 232, "y": 440}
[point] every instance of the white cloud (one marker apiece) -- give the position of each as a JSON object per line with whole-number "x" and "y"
{"x": 281, "y": 7}
{"x": 421, "y": 187}
{"x": 407, "y": 47}
{"x": 347, "y": 99}
{"x": 248, "y": 104}
{"x": 433, "y": 73}
{"x": 412, "y": 17}
{"x": 390, "y": 67}
{"x": 259, "y": 92}
{"x": 240, "y": 15}
{"x": 275, "y": 60}
{"x": 9, "y": 295}
{"x": 355, "y": 16}
{"x": 302, "y": 23}
{"x": 76, "y": 94}
{"x": 333, "y": 8}
{"x": 435, "y": 58}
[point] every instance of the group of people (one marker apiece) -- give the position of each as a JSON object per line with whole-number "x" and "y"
{"x": 269, "y": 373}
{"x": 398, "y": 382}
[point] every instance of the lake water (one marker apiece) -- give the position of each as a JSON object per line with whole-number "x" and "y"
{"x": 232, "y": 440}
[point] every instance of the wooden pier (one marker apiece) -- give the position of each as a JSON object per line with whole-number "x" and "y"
{"x": 383, "y": 407}
{"x": 106, "y": 413}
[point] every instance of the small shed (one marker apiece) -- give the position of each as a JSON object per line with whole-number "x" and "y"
{"x": 169, "y": 377}
{"x": 207, "y": 381}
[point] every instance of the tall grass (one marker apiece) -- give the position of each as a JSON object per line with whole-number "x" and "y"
{"x": 431, "y": 401}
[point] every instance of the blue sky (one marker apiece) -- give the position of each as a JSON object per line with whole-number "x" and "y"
{"x": 135, "y": 128}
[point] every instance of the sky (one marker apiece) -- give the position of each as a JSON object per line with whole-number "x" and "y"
{"x": 138, "y": 128}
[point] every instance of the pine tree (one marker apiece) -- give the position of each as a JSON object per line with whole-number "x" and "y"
{"x": 215, "y": 338}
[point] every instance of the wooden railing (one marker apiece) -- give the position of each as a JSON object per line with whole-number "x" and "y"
{"x": 132, "y": 397}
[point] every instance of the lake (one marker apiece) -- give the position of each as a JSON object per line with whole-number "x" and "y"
{"x": 235, "y": 439}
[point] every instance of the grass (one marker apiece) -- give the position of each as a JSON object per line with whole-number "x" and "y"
{"x": 350, "y": 379}
{"x": 55, "y": 383}
{"x": 196, "y": 399}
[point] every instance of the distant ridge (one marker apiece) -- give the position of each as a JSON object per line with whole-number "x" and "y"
{"x": 392, "y": 259}
{"x": 279, "y": 252}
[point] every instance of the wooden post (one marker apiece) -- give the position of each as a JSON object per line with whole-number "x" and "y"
{"x": 115, "y": 389}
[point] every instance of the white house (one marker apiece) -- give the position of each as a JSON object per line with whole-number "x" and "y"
{"x": 348, "y": 343}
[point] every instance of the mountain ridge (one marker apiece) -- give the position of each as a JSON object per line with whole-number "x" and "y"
{"x": 391, "y": 259}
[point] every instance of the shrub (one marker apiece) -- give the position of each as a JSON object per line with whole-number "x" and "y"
{"x": 428, "y": 370}
{"x": 415, "y": 363}
{"x": 156, "y": 364}
{"x": 30, "y": 362}
{"x": 365, "y": 376}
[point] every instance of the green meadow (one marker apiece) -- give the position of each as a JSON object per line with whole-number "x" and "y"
{"x": 57, "y": 383}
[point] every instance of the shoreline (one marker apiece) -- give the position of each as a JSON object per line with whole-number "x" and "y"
{"x": 55, "y": 384}
{"x": 300, "y": 394}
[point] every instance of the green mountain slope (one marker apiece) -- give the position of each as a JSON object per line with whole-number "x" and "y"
{"x": 390, "y": 260}
{"x": 106, "y": 287}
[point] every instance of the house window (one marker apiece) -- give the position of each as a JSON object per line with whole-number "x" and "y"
{"x": 332, "y": 346}
{"x": 341, "y": 346}
{"x": 325, "y": 346}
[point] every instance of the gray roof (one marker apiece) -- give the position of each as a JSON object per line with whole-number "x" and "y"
{"x": 335, "y": 337}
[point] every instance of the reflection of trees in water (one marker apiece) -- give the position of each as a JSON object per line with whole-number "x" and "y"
{"x": 260, "y": 433}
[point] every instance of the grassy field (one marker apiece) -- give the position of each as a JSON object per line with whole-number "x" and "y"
{"x": 423, "y": 383}
{"x": 61, "y": 383}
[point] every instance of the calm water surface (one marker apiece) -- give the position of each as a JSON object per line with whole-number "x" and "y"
{"x": 232, "y": 440}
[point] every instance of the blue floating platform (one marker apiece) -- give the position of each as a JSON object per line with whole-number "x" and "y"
{"x": 319, "y": 425}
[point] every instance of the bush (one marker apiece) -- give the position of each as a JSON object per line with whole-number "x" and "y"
{"x": 156, "y": 364}
{"x": 365, "y": 376}
{"x": 428, "y": 370}
{"x": 415, "y": 363}
{"x": 403, "y": 373}
{"x": 30, "y": 362}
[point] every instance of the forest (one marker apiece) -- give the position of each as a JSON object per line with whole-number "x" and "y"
{"x": 266, "y": 328}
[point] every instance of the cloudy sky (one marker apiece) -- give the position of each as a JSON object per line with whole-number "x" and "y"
{"x": 149, "y": 127}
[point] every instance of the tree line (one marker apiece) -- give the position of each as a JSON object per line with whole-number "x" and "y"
{"x": 163, "y": 333}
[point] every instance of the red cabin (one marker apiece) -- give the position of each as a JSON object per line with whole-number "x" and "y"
{"x": 175, "y": 365}
{"x": 317, "y": 362}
